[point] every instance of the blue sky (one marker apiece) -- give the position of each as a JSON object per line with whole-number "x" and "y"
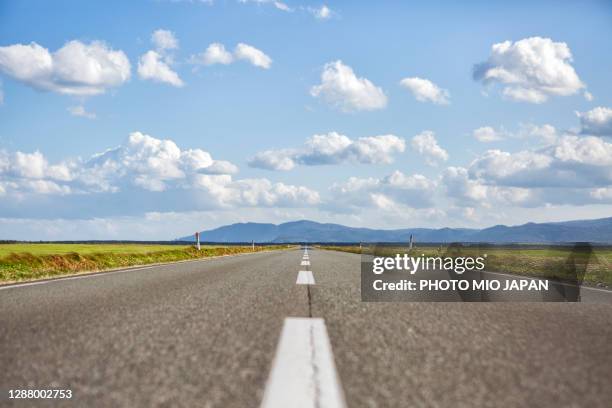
{"x": 389, "y": 153}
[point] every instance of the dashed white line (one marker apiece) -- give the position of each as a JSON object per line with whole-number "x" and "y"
{"x": 305, "y": 278}
{"x": 305, "y": 263}
{"x": 303, "y": 373}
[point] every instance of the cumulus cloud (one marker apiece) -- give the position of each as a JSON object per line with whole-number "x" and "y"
{"x": 487, "y": 134}
{"x": 466, "y": 190}
{"x": 75, "y": 69}
{"x": 546, "y": 133}
{"x": 597, "y": 121}
{"x": 251, "y": 54}
{"x": 426, "y": 91}
{"x": 425, "y": 143}
{"x": 570, "y": 162}
{"x": 143, "y": 174}
{"x": 389, "y": 192}
{"x": 81, "y": 112}
{"x": 332, "y": 148}
{"x": 164, "y": 40}
{"x": 530, "y": 70}
{"x": 321, "y": 13}
{"x": 282, "y": 6}
{"x": 274, "y": 160}
{"x": 341, "y": 88}
{"x": 154, "y": 67}
{"x": 216, "y": 53}
{"x": 602, "y": 194}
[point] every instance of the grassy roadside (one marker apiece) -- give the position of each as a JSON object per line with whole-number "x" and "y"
{"x": 26, "y": 262}
{"x": 542, "y": 262}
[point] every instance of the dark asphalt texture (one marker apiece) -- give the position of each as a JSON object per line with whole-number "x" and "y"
{"x": 204, "y": 334}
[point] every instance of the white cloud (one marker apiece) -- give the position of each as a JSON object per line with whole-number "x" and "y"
{"x": 251, "y": 54}
{"x": 576, "y": 162}
{"x": 321, "y": 13}
{"x": 332, "y": 148}
{"x": 546, "y": 133}
{"x": 425, "y": 143}
{"x": 426, "y": 91}
{"x": 282, "y": 6}
{"x": 75, "y": 69}
{"x": 81, "y": 112}
{"x": 152, "y": 66}
{"x": 143, "y": 174}
{"x": 597, "y": 121}
{"x": 588, "y": 150}
{"x": 156, "y": 65}
{"x": 274, "y": 160}
{"x": 530, "y": 70}
{"x": 487, "y": 134}
{"x": 217, "y": 54}
{"x": 277, "y": 4}
{"x": 164, "y": 40}
{"x": 386, "y": 193}
{"x": 341, "y": 88}
{"x": 602, "y": 194}
{"x": 473, "y": 192}
{"x": 588, "y": 96}
{"x": 1, "y": 95}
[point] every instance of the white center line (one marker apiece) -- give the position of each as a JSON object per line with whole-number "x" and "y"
{"x": 305, "y": 278}
{"x": 303, "y": 373}
{"x": 305, "y": 263}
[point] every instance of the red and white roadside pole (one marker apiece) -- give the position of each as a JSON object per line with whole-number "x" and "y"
{"x": 197, "y": 237}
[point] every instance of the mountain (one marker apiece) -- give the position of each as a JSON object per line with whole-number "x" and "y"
{"x": 599, "y": 231}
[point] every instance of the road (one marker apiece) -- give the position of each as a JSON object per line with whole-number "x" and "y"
{"x": 208, "y": 334}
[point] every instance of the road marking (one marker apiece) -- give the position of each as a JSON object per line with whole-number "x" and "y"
{"x": 305, "y": 278}
{"x": 303, "y": 372}
{"x": 305, "y": 263}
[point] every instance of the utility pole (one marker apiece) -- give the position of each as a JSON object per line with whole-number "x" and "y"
{"x": 411, "y": 242}
{"x": 197, "y": 237}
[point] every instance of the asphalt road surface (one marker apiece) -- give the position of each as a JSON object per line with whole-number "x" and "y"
{"x": 215, "y": 333}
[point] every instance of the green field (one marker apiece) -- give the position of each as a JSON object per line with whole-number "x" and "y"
{"x": 23, "y": 262}
{"x": 554, "y": 262}
{"x": 83, "y": 249}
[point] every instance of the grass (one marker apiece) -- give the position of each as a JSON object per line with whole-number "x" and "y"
{"x": 554, "y": 262}
{"x": 25, "y": 262}
{"x": 83, "y": 249}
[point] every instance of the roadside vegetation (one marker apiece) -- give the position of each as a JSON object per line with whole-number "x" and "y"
{"x": 553, "y": 262}
{"x": 24, "y": 262}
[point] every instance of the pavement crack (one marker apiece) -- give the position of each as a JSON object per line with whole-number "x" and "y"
{"x": 309, "y": 300}
{"x": 315, "y": 369}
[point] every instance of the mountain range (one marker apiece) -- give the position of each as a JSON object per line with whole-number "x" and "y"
{"x": 596, "y": 231}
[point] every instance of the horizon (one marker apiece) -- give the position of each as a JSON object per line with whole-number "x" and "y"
{"x": 203, "y": 114}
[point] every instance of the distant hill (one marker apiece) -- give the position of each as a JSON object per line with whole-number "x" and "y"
{"x": 599, "y": 231}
